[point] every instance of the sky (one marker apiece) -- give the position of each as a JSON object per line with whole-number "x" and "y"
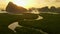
{"x": 31, "y": 3}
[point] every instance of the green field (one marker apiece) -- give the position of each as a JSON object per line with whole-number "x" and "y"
{"x": 50, "y": 23}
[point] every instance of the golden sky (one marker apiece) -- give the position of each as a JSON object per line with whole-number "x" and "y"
{"x": 31, "y": 3}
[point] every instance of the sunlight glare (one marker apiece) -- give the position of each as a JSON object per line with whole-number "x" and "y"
{"x": 22, "y": 3}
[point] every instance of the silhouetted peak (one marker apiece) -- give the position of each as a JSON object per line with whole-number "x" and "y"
{"x": 52, "y": 7}
{"x": 13, "y": 8}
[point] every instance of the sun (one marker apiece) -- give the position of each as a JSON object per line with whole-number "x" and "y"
{"x": 22, "y": 3}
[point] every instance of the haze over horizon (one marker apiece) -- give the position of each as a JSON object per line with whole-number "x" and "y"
{"x": 32, "y": 3}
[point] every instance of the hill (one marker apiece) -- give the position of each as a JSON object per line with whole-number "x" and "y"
{"x": 14, "y": 9}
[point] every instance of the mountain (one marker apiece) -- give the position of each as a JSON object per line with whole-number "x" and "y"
{"x": 51, "y": 9}
{"x": 14, "y": 9}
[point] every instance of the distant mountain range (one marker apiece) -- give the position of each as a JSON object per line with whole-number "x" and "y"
{"x": 14, "y": 9}
{"x": 52, "y": 9}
